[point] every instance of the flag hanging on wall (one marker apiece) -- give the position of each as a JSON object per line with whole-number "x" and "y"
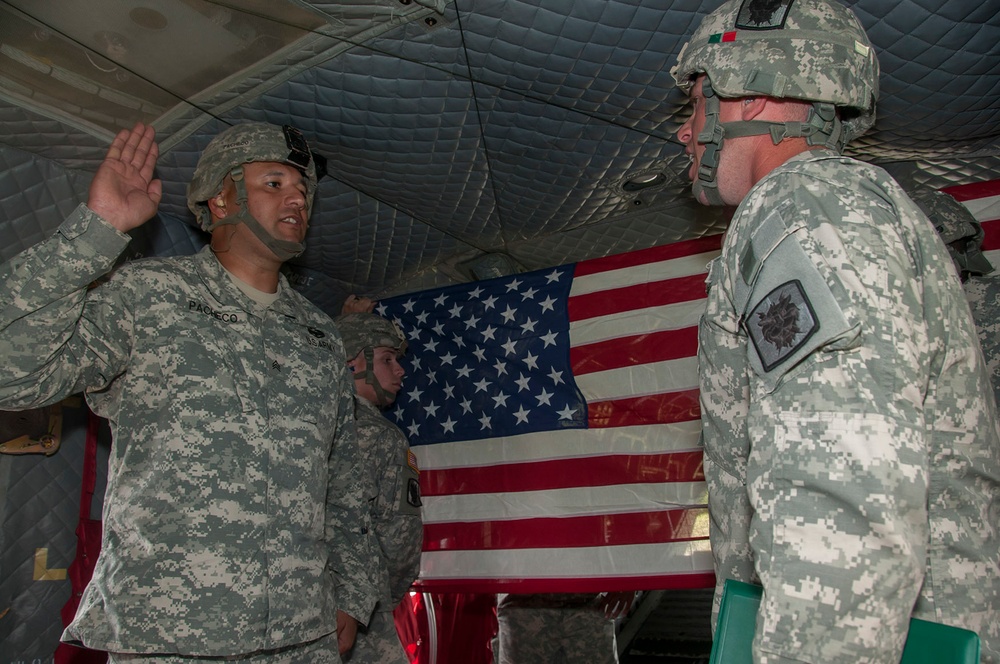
{"x": 983, "y": 201}
{"x": 554, "y": 415}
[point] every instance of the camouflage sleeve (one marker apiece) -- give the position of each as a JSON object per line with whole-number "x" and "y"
{"x": 51, "y": 347}
{"x": 354, "y": 557}
{"x": 724, "y": 396}
{"x": 837, "y": 471}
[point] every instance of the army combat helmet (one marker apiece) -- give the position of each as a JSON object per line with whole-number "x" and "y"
{"x": 810, "y": 50}
{"x": 961, "y": 233}
{"x": 226, "y": 154}
{"x": 364, "y": 332}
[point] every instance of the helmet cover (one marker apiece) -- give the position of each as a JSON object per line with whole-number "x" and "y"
{"x": 363, "y": 330}
{"x": 245, "y": 143}
{"x": 811, "y": 50}
{"x": 961, "y": 233}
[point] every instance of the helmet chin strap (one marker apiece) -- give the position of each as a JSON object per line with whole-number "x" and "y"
{"x": 821, "y": 127}
{"x": 282, "y": 249}
{"x": 383, "y": 397}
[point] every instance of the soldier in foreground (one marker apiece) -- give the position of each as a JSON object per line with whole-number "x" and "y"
{"x": 391, "y": 484}
{"x": 852, "y": 450}
{"x": 230, "y": 409}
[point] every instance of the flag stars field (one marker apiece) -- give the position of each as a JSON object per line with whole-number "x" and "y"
{"x": 554, "y": 417}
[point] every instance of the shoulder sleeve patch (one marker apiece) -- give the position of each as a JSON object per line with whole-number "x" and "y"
{"x": 780, "y": 323}
{"x": 788, "y": 311}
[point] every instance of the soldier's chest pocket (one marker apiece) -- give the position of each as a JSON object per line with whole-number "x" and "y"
{"x": 193, "y": 358}
{"x": 399, "y": 492}
{"x": 303, "y": 382}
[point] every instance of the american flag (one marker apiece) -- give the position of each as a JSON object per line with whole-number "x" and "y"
{"x": 983, "y": 201}
{"x": 554, "y": 415}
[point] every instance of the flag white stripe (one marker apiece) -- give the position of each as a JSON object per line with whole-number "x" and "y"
{"x": 627, "y": 560}
{"x": 640, "y": 380}
{"x": 574, "y": 501}
{"x": 633, "y": 323}
{"x": 984, "y": 209}
{"x": 562, "y": 444}
{"x": 682, "y": 266}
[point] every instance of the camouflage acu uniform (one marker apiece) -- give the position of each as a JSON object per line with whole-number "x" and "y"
{"x": 851, "y": 448}
{"x": 963, "y": 236}
{"x": 554, "y": 629}
{"x": 233, "y": 440}
{"x": 393, "y": 493}
{"x": 983, "y": 294}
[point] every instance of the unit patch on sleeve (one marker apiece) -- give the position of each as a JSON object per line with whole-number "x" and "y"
{"x": 781, "y": 323}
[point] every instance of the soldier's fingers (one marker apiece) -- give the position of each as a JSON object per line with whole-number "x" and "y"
{"x": 150, "y": 151}
{"x": 117, "y": 144}
{"x": 136, "y": 148}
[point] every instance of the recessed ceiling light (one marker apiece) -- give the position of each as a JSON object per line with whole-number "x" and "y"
{"x": 643, "y": 180}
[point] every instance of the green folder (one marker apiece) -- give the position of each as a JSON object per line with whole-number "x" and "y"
{"x": 926, "y": 643}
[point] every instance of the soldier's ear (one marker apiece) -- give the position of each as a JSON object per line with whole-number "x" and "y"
{"x": 217, "y": 206}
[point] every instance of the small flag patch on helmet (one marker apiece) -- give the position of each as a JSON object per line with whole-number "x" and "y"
{"x": 720, "y": 37}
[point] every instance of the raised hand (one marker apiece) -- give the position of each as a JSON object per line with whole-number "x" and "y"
{"x": 124, "y": 191}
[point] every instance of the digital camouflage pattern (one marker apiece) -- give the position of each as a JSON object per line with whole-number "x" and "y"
{"x": 233, "y": 442}
{"x": 392, "y": 491}
{"x": 810, "y": 50}
{"x": 361, "y": 330}
{"x": 555, "y": 628}
{"x": 958, "y": 228}
{"x": 243, "y": 144}
{"x": 362, "y": 333}
{"x": 963, "y": 236}
{"x": 321, "y": 651}
{"x": 983, "y": 294}
{"x": 852, "y": 450}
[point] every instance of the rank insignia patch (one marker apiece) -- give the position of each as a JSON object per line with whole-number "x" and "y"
{"x": 781, "y": 323}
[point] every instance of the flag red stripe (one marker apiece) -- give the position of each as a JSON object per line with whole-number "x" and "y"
{"x": 629, "y": 351}
{"x": 991, "y": 236}
{"x": 636, "y": 296}
{"x": 967, "y": 192}
{"x": 665, "y": 408}
{"x": 565, "y": 532}
{"x": 574, "y": 584}
{"x": 650, "y": 255}
{"x": 564, "y": 473}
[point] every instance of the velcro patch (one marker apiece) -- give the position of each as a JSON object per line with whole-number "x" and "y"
{"x": 413, "y": 492}
{"x": 781, "y": 323}
{"x": 763, "y": 14}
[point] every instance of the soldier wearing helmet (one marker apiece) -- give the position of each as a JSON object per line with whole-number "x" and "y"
{"x": 962, "y": 233}
{"x": 391, "y": 484}
{"x": 234, "y": 451}
{"x": 839, "y": 366}
{"x": 256, "y": 157}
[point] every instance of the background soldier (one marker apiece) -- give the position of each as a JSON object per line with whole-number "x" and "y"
{"x": 851, "y": 442}
{"x": 963, "y": 236}
{"x": 392, "y": 487}
{"x": 229, "y": 406}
